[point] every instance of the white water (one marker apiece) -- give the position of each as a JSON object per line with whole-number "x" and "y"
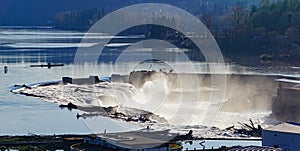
{"x": 157, "y": 95}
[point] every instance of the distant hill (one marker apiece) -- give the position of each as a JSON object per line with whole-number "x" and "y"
{"x": 42, "y": 12}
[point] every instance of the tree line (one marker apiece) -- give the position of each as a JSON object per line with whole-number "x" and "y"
{"x": 78, "y": 20}
{"x": 268, "y": 31}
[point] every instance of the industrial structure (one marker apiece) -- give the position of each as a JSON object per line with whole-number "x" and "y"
{"x": 285, "y": 136}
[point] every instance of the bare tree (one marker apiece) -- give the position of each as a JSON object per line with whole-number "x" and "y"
{"x": 208, "y": 20}
{"x": 238, "y": 16}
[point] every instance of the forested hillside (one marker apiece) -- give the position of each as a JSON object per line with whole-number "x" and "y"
{"x": 270, "y": 32}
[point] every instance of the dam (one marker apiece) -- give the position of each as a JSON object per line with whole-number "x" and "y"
{"x": 175, "y": 96}
{"x": 243, "y": 92}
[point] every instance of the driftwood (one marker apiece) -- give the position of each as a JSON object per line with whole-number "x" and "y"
{"x": 248, "y": 129}
{"x": 22, "y": 86}
{"x": 113, "y": 112}
{"x": 48, "y": 65}
{"x": 189, "y": 136}
{"x": 70, "y": 106}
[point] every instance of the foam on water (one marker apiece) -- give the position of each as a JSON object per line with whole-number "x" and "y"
{"x": 157, "y": 95}
{"x": 248, "y": 96}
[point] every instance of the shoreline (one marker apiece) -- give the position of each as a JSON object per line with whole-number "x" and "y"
{"x": 73, "y": 141}
{"x": 88, "y": 134}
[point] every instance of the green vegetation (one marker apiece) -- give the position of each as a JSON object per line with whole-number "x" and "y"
{"x": 22, "y": 148}
{"x": 264, "y": 32}
{"x": 11, "y": 139}
{"x": 39, "y": 143}
{"x": 269, "y": 32}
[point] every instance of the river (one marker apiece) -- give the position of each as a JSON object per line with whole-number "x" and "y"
{"x": 22, "y": 47}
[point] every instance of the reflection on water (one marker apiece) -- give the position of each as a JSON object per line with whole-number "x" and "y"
{"x": 24, "y": 45}
{"x": 19, "y": 48}
{"x": 23, "y": 115}
{"x": 210, "y": 144}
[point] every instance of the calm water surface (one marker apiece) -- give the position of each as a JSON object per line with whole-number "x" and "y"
{"x": 22, "y": 115}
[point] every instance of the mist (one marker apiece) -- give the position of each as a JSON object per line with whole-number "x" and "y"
{"x": 181, "y": 98}
{"x": 184, "y": 98}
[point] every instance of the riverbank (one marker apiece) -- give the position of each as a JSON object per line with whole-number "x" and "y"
{"x": 41, "y": 142}
{"x": 73, "y": 141}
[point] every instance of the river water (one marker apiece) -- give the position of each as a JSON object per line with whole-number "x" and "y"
{"x": 22, "y": 47}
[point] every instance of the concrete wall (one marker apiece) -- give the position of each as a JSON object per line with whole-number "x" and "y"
{"x": 286, "y": 106}
{"x": 117, "y": 78}
{"x": 81, "y": 81}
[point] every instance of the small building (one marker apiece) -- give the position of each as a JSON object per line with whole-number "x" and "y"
{"x": 285, "y": 136}
{"x": 135, "y": 141}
